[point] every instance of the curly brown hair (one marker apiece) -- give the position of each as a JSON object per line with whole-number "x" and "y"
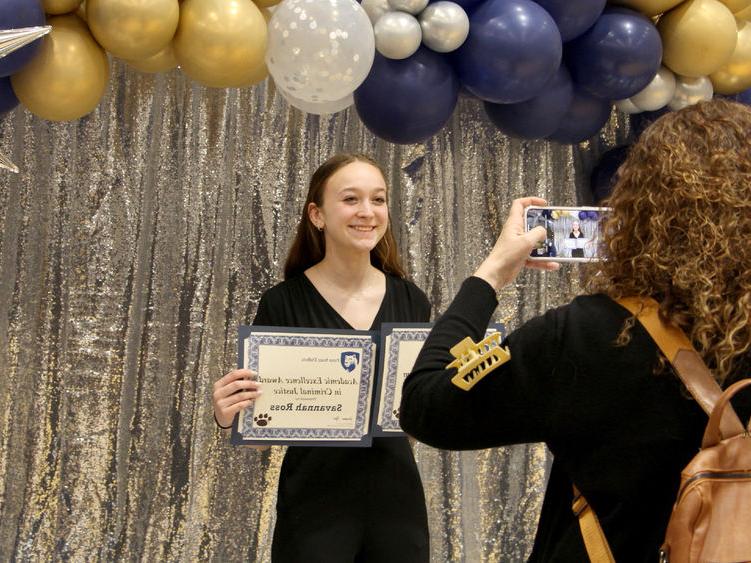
{"x": 680, "y": 230}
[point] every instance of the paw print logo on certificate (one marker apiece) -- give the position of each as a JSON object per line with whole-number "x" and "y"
{"x": 262, "y": 419}
{"x": 349, "y": 361}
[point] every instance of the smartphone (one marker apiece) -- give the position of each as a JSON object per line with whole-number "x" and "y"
{"x": 573, "y": 232}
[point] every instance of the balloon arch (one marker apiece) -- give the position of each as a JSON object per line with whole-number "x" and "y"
{"x": 544, "y": 69}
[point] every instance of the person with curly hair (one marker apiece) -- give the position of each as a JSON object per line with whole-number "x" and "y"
{"x": 586, "y": 378}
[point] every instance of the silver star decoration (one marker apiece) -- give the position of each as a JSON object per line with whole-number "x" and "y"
{"x": 7, "y": 164}
{"x": 12, "y": 40}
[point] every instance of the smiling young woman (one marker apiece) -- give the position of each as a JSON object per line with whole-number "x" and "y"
{"x": 309, "y": 245}
{"x": 342, "y": 272}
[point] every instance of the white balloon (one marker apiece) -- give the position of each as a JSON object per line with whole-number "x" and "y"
{"x": 690, "y": 91}
{"x": 626, "y": 106}
{"x": 657, "y": 93}
{"x": 320, "y": 50}
{"x": 413, "y": 7}
{"x": 318, "y": 108}
{"x": 375, "y": 9}
{"x": 397, "y": 35}
{"x": 445, "y": 26}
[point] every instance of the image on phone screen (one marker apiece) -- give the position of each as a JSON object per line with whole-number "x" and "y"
{"x": 573, "y": 233}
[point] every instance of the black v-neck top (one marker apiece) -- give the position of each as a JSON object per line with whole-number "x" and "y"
{"x": 321, "y": 300}
{"x": 329, "y": 483}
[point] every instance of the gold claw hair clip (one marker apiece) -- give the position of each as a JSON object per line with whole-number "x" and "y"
{"x": 475, "y": 361}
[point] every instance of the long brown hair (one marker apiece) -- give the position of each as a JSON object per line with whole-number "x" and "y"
{"x": 309, "y": 246}
{"x": 680, "y": 230}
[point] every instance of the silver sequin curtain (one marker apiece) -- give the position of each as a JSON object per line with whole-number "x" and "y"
{"x": 134, "y": 242}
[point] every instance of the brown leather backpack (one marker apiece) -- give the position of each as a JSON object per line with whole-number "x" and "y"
{"x": 711, "y": 518}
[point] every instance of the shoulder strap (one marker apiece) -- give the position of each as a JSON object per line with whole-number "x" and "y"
{"x": 597, "y": 546}
{"x": 687, "y": 363}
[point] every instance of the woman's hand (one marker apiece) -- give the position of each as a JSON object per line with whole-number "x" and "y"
{"x": 513, "y": 247}
{"x": 232, "y": 393}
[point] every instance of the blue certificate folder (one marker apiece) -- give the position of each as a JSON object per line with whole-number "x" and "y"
{"x": 399, "y": 344}
{"x": 327, "y": 387}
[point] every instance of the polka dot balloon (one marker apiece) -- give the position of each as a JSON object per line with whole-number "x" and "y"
{"x": 320, "y": 50}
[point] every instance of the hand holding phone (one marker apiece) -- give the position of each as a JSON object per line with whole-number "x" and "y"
{"x": 573, "y": 232}
{"x": 511, "y": 250}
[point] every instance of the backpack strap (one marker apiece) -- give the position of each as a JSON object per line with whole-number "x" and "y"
{"x": 713, "y": 435}
{"x": 597, "y": 546}
{"x": 697, "y": 378}
{"x": 689, "y": 366}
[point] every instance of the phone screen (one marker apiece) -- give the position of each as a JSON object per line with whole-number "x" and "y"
{"x": 573, "y": 232}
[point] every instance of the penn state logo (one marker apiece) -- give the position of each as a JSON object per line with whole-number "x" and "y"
{"x": 350, "y": 360}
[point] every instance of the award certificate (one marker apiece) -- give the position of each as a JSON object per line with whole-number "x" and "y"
{"x": 400, "y": 345}
{"x": 317, "y": 386}
{"x": 571, "y": 243}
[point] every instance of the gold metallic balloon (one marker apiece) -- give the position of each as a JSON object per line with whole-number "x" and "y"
{"x": 261, "y": 72}
{"x": 698, "y": 37}
{"x": 68, "y": 76}
{"x": 735, "y": 76}
{"x": 133, "y": 29}
{"x": 163, "y": 61}
{"x": 736, "y": 6}
{"x": 81, "y": 11}
{"x": 221, "y": 43}
{"x": 266, "y": 3}
{"x": 56, "y": 7}
{"x": 743, "y": 14}
{"x": 649, "y": 7}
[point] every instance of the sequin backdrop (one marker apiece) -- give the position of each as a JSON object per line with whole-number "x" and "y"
{"x": 133, "y": 243}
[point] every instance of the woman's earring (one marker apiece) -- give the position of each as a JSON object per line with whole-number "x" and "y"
{"x": 319, "y": 227}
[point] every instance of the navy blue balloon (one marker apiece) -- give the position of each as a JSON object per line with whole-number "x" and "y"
{"x": 742, "y": 97}
{"x": 8, "y": 99}
{"x": 616, "y": 57}
{"x": 640, "y": 121}
{"x": 15, "y": 14}
{"x": 603, "y": 176}
{"x": 539, "y": 117}
{"x": 408, "y": 100}
{"x": 584, "y": 118}
{"x": 573, "y": 17}
{"x": 512, "y": 50}
{"x": 745, "y": 97}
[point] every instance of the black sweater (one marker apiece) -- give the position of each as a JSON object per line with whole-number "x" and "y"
{"x": 616, "y": 429}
